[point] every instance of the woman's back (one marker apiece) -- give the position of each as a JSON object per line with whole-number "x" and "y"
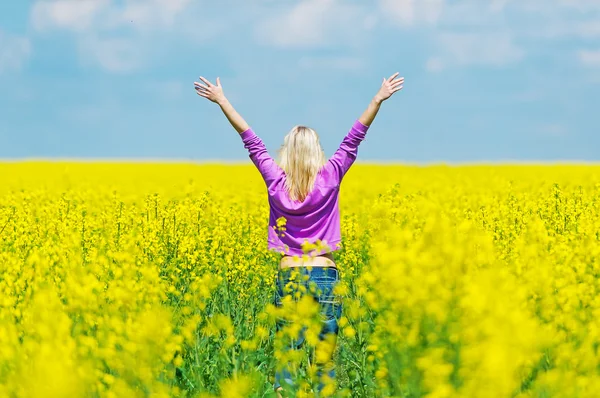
{"x": 316, "y": 219}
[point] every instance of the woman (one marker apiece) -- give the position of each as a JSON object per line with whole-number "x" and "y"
{"x": 303, "y": 188}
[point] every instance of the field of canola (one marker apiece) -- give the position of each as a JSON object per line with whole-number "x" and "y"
{"x": 154, "y": 280}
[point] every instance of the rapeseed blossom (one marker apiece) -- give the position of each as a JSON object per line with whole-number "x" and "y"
{"x": 154, "y": 280}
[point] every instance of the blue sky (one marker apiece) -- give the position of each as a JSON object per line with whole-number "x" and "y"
{"x": 499, "y": 80}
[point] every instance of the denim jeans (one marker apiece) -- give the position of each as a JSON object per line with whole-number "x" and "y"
{"x": 323, "y": 280}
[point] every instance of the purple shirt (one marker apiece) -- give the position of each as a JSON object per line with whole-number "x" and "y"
{"x": 318, "y": 217}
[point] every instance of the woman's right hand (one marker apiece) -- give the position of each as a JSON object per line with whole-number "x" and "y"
{"x": 210, "y": 91}
{"x": 389, "y": 87}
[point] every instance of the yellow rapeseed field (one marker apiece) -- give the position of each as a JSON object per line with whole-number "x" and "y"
{"x": 154, "y": 280}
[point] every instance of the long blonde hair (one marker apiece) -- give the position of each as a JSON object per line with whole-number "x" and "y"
{"x": 301, "y": 157}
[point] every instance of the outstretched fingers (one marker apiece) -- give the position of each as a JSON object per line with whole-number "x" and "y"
{"x": 200, "y": 85}
{"x": 209, "y": 84}
{"x": 397, "y": 85}
{"x": 393, "y": 76}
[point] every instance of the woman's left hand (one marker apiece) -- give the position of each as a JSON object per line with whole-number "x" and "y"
{"x": 210, "y": 91}
{"x": 389, "y": 87}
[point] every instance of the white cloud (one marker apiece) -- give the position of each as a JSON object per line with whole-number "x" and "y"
{"x": 13, "y": 52}
{"x": 589, "y": 59}
{"x": 588, "y": 29}
{"x": 553, "y": 5}
{"x": 490, "y": 33}
{"x": 411, "y": 12}
{"x": 370, "y": 22}
{"x": 115, "y": 35}
{"x": 150, "y": 14}
{"x": 580, "y": 29}
{"x": 77, "y": 15}
{"x": 462, "y": 49}
{"x": 304, "y": 25}
{"x": 313, "y": 23}
{"x": 402, "y": 11}
{"x": 582, "y": 5}
{"x": 498, "y": 5}
{"x": 106, "y": 15}
{"x": 122, "y": 35}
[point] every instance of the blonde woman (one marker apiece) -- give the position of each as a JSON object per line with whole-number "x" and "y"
{"x": 303, "y": 189}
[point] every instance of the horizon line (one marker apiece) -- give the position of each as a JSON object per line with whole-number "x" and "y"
{"x": 247, "y": 162}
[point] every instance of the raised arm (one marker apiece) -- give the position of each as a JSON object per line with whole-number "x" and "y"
{"x": 256, "y": 148}
{"x": 347, "y": 153}
{"x": 216, "y": 95}
{"x": 388, "y": 87}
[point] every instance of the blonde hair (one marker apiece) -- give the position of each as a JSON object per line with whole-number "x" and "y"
{"x": 301, "y": 157}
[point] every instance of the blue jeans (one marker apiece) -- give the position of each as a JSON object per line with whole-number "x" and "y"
{"x": 323, "y": 279}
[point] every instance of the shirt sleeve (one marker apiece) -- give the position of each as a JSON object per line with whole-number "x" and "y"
{"x": 346, "y": 154}
{"x": 260, "y": 157}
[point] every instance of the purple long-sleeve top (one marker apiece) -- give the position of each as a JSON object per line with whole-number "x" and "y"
{"x": 317, "y": 218}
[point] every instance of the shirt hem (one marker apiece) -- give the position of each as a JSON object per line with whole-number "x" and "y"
{"x": 333, "y": 246}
